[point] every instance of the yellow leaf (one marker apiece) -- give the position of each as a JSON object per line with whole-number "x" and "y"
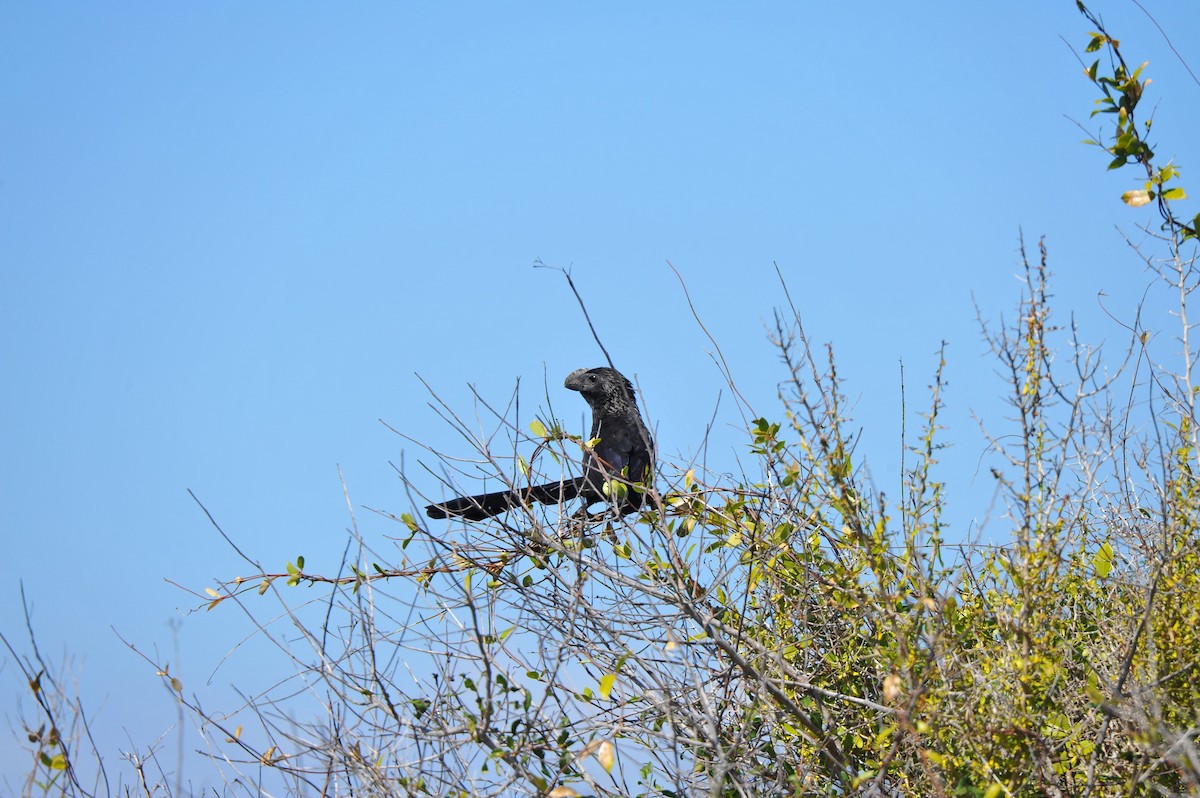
{"x": 212, "y": 593}
{"x": 1102, "y": 560}
{"x": 606, "y": 684}
{"x": 892, "y": 687}
{"x": 562, "y": 792}
{"x": 537, "y": 428}
{"x": 605, "y": 756}
{"x": 1136, "y": 199}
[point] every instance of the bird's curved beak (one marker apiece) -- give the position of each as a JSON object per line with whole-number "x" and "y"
{"x": 574, "y": 380}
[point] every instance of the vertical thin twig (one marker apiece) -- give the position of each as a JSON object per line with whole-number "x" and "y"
{"x": 539, "y": 264}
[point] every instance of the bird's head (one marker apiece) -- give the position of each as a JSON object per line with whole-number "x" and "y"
{"x": 600, "y": 386}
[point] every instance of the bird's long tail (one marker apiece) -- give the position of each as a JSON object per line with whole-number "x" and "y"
{"x": 486, "y": 505}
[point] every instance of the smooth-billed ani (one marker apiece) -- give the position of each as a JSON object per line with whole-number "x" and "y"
{"x": 624, "y": 453}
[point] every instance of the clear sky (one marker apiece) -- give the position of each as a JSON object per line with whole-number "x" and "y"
{"x": 231, "y": 235}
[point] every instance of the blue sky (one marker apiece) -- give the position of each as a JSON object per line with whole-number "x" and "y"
{"x": 231, "y": 235}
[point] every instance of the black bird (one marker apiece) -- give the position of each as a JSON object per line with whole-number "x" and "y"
{"x": 624, "y": 455}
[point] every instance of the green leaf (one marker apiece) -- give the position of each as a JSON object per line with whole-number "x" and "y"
{"x": 1176, "y": 193}
{"x": 1092, "y": 689}
{"x": 537, "y": 428}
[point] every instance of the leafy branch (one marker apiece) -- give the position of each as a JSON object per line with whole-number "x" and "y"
{"x": 1123, "y": 89}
